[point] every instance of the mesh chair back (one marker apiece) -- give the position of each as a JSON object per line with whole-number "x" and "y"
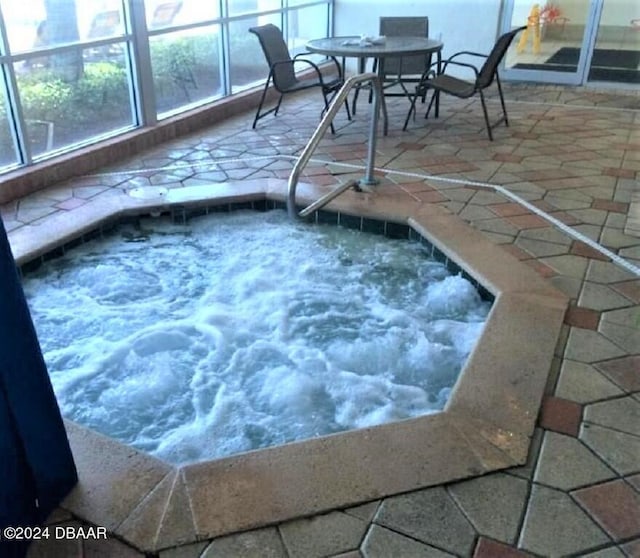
{"x": 488, "y": 71}
{"x": 406, "y": 27}
{"x": 275, "y": 50}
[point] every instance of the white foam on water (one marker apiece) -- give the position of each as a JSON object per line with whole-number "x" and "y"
{"x": 245, "y": 330}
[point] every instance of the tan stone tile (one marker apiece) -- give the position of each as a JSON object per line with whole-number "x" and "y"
{"x": 108, "y": 548}
{"x": 497, "y": 226}
{"x": 622, "y": 327}
{"x": 381, "y": 543}
{"x": 54, "y": 547}
{"x": 568, "y": 265}
{"x": 566, "y": 463}
{"x": 601, "y": 297}
{"x": 556, "y": 526}
{"x": 493, "y": 503}
{"x": 261, "y": 543}
{"x": 614, "y": 238}
{"x": 541, "y": 248}
{"x": 185, "y": 551}
{"x": 366, "y": 512}
{"x": 622, "y": 414}
{"x": 606, "y": 273}
{"x": 429, "y": 516}
{"x": 143, "y": 524}
{"x": 323, "y": 535}
{"x": 589, "y": 346}
{"x": 582, "y": 383}
{"x": 112, "y": 478}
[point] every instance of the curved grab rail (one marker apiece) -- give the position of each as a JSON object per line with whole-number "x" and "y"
{"x": 303, "y": 159}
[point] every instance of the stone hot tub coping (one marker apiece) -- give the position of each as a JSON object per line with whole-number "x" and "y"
{"x": 486, "y": 425}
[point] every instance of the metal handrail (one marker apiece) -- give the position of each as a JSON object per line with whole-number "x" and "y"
{"x": 340, "y": 97}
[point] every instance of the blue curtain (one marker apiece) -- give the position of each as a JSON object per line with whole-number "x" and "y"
{"x": 36, "y": 465}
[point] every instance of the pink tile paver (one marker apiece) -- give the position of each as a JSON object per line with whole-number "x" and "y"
{"x": 560, "y": 415}
{"x": 614, "y": 505}
{"x": 612, "y": 206}
{"x": 581, "y": 249}
{"x": 631, "y": 549}
{"x": 487, "y": 548}
{"x": 630, "y": 289}
{"x": 528, "y": 221}
{"x": 508, "y": 209}
{"x": 585, "y": 318}
{"x": 624, "y": 371}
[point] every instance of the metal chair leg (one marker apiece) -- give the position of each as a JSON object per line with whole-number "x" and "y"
{"x": 486, "y": 115}
{"x": 262, "y": 98}
{"x": 431, "y": 102}
{"x": 275, "y": 112}
{"x": 412, "y": 109}
{"x": 504, "y": 108}
{"x": 326, "y": 108}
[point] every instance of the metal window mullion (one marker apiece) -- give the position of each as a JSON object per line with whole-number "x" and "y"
{"x": 15, "y": 114}
{"x": 142, "y": 84}
{"x": 184, "y": 27}
{"x": 307, "y": 4}
{"x": 284, "y": 19}
{"x": 70, "y": 47}
{"x": 225, "y": 51}
{"x": 330, "y": 18}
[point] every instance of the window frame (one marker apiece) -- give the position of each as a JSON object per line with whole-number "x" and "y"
{"x": 136, "y": 39}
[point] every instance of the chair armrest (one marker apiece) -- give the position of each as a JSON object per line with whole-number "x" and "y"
{"x": 443, "y": 63}
{"x": 429, "y": 72}
{"x": 293, "y": 63}
{"x": 333, "y": 59}
{"x": 468, "y": 53}
{"x": 462, "y": 64}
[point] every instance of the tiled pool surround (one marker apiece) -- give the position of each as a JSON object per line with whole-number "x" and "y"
{"x": 487, "y": 424}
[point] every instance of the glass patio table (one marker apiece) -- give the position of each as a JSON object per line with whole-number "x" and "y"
{"x": 353, "y": 47}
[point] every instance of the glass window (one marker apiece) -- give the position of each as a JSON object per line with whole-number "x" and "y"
{"x": 38, "y": 24}
{"x": 237, "y": 7}
{"x": 73, "y": 62}
{"x": 73, "y": 96}
{"x": 7, "y": 149}
{"x": 186, "y": 67}
{"x": 167, "y": 13}
{"x": 305, "y": 24}
{"x": 24, "y": 23}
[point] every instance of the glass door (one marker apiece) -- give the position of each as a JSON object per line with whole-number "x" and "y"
{"x": 616, "y": 52}
{"x": 557, "y": 45}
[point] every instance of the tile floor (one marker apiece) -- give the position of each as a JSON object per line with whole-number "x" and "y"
{"x": 570, "y": 153}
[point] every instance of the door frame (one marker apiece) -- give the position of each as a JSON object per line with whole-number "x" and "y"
{"x": 579, "y": 77}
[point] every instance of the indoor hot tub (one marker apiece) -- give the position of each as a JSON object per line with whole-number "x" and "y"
{"x": 478, "y": 421}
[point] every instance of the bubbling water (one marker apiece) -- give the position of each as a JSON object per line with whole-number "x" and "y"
{"x": 245, "y": 330}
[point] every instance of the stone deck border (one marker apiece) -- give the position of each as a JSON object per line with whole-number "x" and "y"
{"x": 487, "y": 424}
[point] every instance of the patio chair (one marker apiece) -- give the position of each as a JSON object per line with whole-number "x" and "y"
{"x": 398, "y": 71}
{"x": 283, "y": 76}
{"x": 403, "y": 69}
{"x": 442, "y": 82}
